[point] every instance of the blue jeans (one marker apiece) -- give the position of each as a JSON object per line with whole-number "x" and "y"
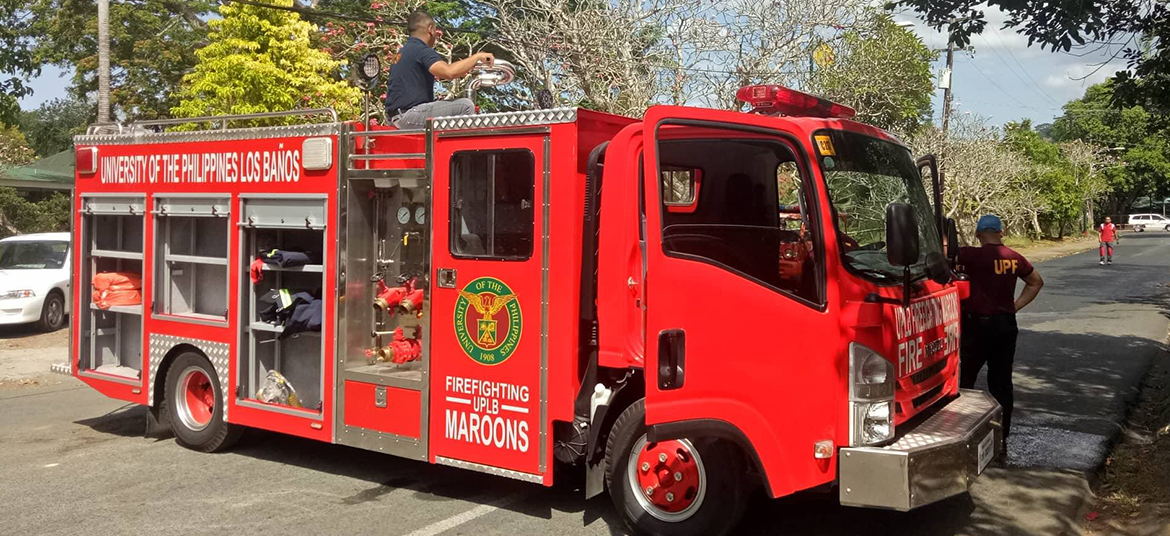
{"x": 417, "y": 117}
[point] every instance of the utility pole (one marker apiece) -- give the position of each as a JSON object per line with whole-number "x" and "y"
{"x": 946, "y": 83}
{"x": 103, "y": 114}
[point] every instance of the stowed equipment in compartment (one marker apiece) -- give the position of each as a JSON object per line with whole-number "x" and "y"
{"x": 282, "y": 352}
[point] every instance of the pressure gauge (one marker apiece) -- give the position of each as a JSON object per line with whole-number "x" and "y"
{"x": 403, "y": 215}
{"x": 420, "y": 215}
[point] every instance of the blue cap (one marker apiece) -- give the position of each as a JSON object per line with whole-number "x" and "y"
{"x": 989, "y": 222}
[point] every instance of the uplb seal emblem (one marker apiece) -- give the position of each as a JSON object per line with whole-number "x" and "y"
{"x": 488, "y": 322}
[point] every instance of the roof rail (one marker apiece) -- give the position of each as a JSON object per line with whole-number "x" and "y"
{"x": 221, "y": 120}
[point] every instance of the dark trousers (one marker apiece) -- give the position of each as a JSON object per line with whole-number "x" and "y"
{"x": 990, "y": 340}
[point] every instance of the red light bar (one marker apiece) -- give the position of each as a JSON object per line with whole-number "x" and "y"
{"x": 774, "y": 99}
{"x": 86, "y": 160}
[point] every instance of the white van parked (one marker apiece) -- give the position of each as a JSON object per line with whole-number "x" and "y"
{"x": 34, "y": 280}
{"x": 1140, "y": 222}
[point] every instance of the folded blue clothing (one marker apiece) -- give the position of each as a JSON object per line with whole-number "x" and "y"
{"x": 285, "y": 258}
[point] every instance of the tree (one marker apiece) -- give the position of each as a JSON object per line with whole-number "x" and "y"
{"x": 152, "y": 45}
{"x": 1131, "y": 134}
{"x": 883, "y": 72}
{"x": 14, "y": 149}
{"x": 983, "y": 176}
{"x": 17, "y": 62}
{"x": 1140, "y": 26}
{"x": 51, "y": 127}
{"x": 260, "y": 60}
{"x": 598, "y": 55}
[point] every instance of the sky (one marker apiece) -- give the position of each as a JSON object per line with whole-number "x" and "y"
{"x": 1006, "y": 80}
{"x": 1002, "y": 80}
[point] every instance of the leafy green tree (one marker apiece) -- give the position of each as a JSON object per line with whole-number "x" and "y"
{"x": 17, "y": 61}
{"x": 1061, "y": 25}
{"x": 152, "y": 45}
{"x": 51, "y": 127}
{"x": 1131, "y": 134}
{"x": 884, "y": 72}
{"x": 260, "y": 60}
{"x": 14, "y": 149}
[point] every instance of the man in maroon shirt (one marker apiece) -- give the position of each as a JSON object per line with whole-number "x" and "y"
{"x": 989, "y": 315}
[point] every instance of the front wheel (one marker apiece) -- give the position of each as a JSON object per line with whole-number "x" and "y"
{"x": 52, "y": 313}
{"x": 1139, "y": 228}
{"x": 194, "y": 405}
{"x": 679, "y": 487}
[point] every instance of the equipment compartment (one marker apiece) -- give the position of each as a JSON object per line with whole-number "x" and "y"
{"x": 191, "y": 242}
{"x": 297, "y": 358}
{"x": 110, "y": 322}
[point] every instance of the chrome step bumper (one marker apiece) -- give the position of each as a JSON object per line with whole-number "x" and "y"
{"x": 936, "y": 459}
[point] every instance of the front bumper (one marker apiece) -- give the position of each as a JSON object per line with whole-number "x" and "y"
{"x": 935, "y": 459}
{"x": 20, "y": 310}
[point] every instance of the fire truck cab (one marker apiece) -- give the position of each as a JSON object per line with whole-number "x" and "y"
{"x": 686, "y": 306}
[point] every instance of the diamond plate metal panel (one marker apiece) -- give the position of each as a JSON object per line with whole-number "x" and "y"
{"x": 506, "y": 119}
{"x": 144, "y": 136}
{"x": 950, "y": 423}
{"x": 217, "y": 352}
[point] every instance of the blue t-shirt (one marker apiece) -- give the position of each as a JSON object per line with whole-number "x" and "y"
{"x": 411, "y": 82}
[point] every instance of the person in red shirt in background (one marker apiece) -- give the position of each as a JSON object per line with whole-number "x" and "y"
{"x": 989, "y": 327}
{"x": 1108, "y": 238}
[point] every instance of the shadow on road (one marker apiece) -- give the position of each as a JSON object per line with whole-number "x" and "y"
{"x": 23, "y": 331}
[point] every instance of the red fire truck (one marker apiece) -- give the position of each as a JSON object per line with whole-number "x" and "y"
{"x": 686, "y": 307}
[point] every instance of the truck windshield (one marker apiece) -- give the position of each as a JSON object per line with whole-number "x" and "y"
{"x": 864, "y": 175}
{"x": 29, "y": 255}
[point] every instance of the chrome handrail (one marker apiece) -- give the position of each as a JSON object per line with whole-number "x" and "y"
{"x": 225, "y": 119}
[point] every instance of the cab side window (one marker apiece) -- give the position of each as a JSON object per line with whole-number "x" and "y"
{"x": 492, "y": 204}
{"x": 751, "y": 216}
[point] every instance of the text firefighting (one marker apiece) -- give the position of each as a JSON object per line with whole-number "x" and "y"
{"x": 922, "y": 316}
{"x": 492, "y": 413}
{"x": 277, "y": 166}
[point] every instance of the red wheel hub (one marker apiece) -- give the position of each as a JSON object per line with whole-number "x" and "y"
{"x": 668, "y": 475}
{"x": 200, "y": 397}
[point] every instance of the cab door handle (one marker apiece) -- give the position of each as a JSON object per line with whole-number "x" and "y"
{"x": 672, "y": 356}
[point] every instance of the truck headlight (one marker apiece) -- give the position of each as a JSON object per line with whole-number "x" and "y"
{"x": 14, "y": 294}
{"x": 871, "y": 396}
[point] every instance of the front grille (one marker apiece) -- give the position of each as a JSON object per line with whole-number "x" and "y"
{"x": 928, "y": 372}
{"x": 923, "y": 398}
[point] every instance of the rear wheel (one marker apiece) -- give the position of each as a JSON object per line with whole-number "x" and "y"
{"x": 1139, "y": 228}
{"x": 194, "y": 405}
{"x": 52, "y": 313}
{"x": 676, "y": 487}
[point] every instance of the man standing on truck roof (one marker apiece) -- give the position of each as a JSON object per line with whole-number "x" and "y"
{"x": 410, "y": 95}
{"x": 1108, "y": 238}
{"x": 989, "y": 315}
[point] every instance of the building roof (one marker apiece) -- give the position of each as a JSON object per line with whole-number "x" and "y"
{"x": 53, "y": 173}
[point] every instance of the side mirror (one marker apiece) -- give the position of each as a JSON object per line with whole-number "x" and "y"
{"x": 901, "y": 234}
{"x": 952, "y": 230}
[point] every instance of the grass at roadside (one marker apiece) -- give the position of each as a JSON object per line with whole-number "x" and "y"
{"x": 1048, "y": 248}
{"x": 1134, "y": 491}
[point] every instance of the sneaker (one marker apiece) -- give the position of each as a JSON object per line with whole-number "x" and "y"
{"x": 1110, "y": 262}
{"x": 1102, "y": 263}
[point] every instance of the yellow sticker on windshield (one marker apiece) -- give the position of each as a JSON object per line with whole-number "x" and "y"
{"x": 825, "y": 145}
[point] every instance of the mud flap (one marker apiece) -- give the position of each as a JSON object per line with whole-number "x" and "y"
{"x": 157, "y": 424}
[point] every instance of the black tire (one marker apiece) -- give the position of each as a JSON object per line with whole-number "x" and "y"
{"x": 52, "y": 312}
{"x": 211, "y": 433}
{"x": 721, "y": 505}
{"x": 1139, "y": 228}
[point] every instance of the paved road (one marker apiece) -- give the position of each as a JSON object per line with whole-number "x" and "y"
{"x": 74, "y": 462}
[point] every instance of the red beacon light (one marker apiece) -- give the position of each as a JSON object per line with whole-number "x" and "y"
{"x": 773, "y": 99}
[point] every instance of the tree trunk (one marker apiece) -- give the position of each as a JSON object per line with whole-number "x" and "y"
{"x": 103, "y": 115}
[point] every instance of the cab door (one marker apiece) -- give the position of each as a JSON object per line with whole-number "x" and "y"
{"x": 740, "y": 339}
{"x": 489, "y": 230}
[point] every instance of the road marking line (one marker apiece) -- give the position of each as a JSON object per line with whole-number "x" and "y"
{"x": 455, "y": 400}
{"x": 51, "y": 465}
{"x": 439, "y": 527}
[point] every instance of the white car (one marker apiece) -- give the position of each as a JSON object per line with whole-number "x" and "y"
{"x": 35, "y": 280}
{"x": 1140, "y": 222}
